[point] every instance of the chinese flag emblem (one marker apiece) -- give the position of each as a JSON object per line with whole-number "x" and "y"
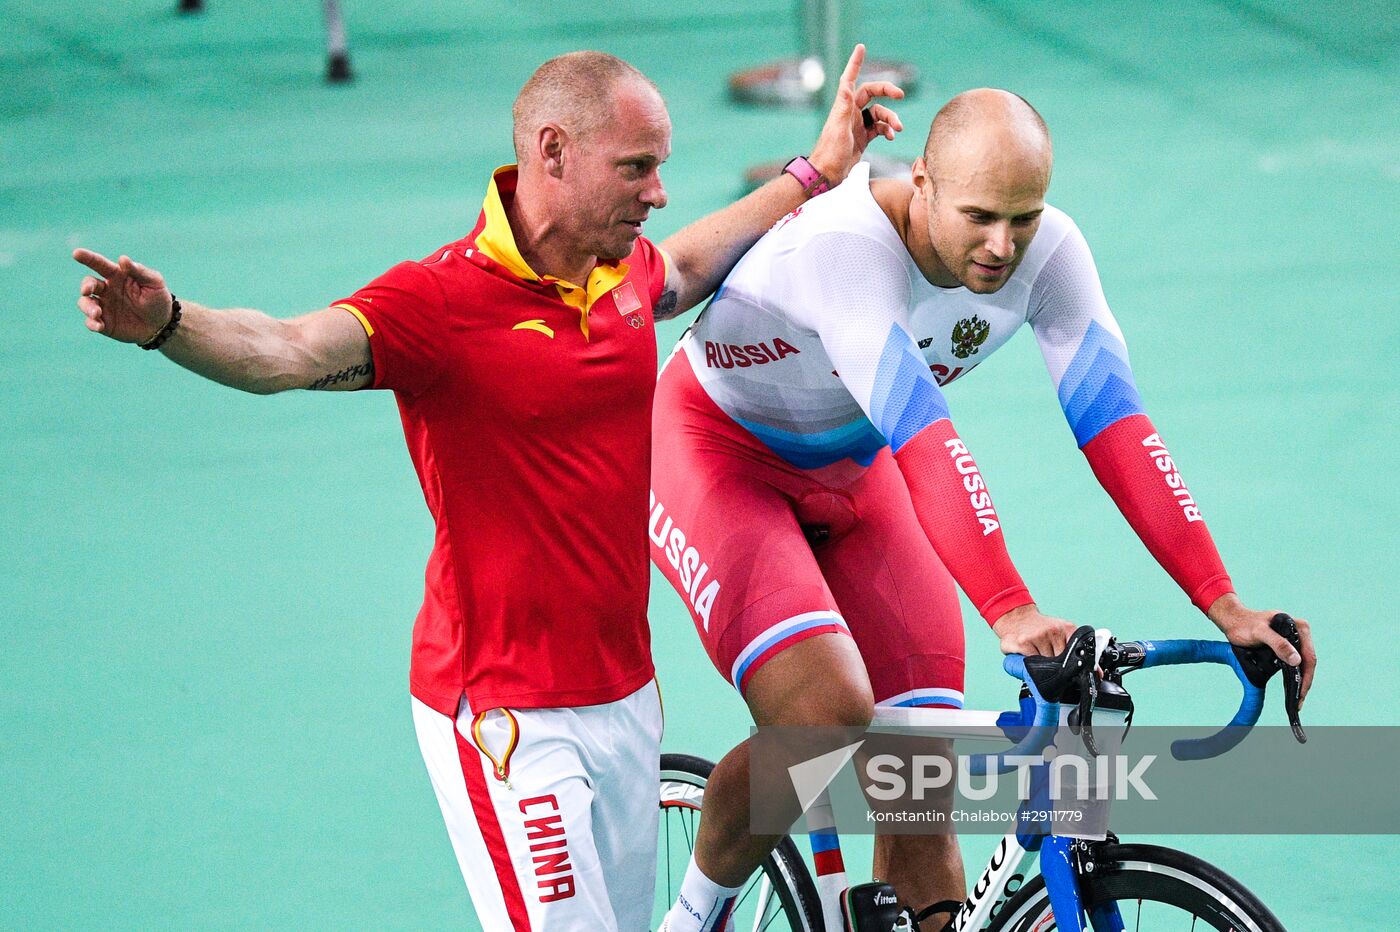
{"x": 625, "y": 297}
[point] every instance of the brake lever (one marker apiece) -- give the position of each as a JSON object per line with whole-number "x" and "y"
{"x": 1292, "y": 676}
{"x": 1260, "y": 663}
{"x": 1081, "y": 723}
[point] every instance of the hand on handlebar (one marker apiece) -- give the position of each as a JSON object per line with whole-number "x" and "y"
{"x": 1245, "y": 627}
{"x": 1025, "y": 630}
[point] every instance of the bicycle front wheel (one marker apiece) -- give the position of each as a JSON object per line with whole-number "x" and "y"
{"x": 780, "y": 896}
{"x": 1155, "y": 889}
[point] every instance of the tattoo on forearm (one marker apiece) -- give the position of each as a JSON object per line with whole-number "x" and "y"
{"x": 665, "y": 305}
{"x": 348, "y": 374}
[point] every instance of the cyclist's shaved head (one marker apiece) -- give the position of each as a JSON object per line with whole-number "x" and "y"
{"x": 575, "y": 92}
{"x": 980, "y": 189}
{"x": 984, "y": 124}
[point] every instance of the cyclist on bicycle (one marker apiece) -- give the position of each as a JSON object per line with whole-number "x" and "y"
{"x": 812, "y": 503}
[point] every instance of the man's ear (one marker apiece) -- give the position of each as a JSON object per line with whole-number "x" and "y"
{"x": 550, "y": 143}
{"x": 919, "y": 173}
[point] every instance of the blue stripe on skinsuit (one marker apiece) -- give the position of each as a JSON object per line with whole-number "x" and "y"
{"x": 905, "y": 398}
{"x": 755, "y": 653}
{"x": 1097, "y": 388}
{"x": 859, "y": 440}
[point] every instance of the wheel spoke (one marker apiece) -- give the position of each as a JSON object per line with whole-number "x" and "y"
{"x": 767, "y": 904}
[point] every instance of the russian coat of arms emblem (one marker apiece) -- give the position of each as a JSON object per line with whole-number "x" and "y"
{"x": 969, "y": 335}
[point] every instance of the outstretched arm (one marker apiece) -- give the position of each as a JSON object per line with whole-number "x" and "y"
{"x": 244, "y": 349}
{"x": 704, "y": 252}
{"x": 1088, "y": 360}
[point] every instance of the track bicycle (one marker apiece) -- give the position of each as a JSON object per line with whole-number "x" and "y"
{"x": 1105, "y": 885}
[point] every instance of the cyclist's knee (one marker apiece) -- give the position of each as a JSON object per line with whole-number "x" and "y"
{"x": 846, "y": 703}
{"x": 818, "y": 681}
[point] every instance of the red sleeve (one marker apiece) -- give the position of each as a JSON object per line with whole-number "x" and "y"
{"x": 1134, "y": 467}
{"x": 405, "y": 315}
{"x": 956, "y": 512}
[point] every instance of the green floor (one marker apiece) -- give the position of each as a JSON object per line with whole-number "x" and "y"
{"x": 208, "y": 596}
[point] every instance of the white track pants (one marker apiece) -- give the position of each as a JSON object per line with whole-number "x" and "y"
{"x": 552, "y": 812}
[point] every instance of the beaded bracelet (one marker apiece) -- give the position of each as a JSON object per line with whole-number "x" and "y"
{"x": 164, "y": 333}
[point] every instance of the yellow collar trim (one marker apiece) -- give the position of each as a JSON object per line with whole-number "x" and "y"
{"x": 497, "y": 242}
{"x": 496, "y": 239}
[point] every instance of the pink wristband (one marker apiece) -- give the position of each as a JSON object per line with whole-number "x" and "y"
{"x": 813, "y": 182}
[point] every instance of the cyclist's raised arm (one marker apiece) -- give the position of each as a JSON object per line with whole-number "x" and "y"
{"x": 864, "y": 329}
{"x": 1088, "y": 361}
{"x": 241, "y": 348}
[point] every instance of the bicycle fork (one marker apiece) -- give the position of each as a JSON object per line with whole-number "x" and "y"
{"x": 1062, "y": 859}
{"x": 1062, "y": 862}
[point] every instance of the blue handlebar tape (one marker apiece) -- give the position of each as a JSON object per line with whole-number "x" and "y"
{"x": 1167, "y": 653}
{"x": 1040, "y": 734}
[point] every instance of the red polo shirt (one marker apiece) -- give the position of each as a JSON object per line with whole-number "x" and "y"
{"x": 526, "y": 404}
